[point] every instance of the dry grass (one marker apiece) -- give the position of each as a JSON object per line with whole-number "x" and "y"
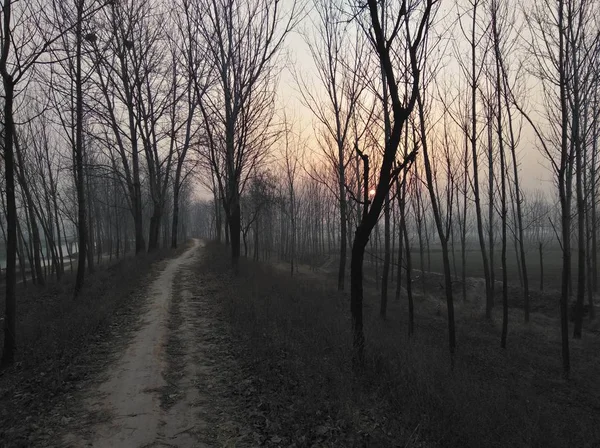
{"x": 63, "y": 341}
{"x": 295, "y": 334}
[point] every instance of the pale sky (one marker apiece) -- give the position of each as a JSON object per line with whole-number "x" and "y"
{"x": 534, "y": 170}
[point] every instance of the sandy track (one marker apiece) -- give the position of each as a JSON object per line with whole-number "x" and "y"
{"x": 131, "y": 396}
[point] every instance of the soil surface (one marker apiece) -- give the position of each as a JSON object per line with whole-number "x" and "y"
{"x": 150, "y": 396}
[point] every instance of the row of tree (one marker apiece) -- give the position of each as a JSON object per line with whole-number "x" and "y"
{"x": 419, "y": 112}
{"x": 430, "y": 112}
{"x": 99, "y": 121}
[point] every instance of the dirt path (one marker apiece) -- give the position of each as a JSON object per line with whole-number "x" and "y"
{"x": 133, "y": 398}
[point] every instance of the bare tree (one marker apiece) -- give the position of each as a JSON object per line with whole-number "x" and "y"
{"x": 502, "y": 19}
{"x": 23, "y": 41}
{"x": 115, "y": 81}
{"x": 551, "y": 54}
{"x": 243, "y": 47}
{"x": 78, "y": 149}
{"x": 196, "y": 73}
{"x": 338, "y": 52}
{"x": 443, "y": 226}
{"x": 410, "y": 30}
{"x": 498, "y": 87}
{"x": 474, "y": 74}
{"x": 582, "y": 47}
{"x": 290, "y": 159}
{"x": 70, "y": 107}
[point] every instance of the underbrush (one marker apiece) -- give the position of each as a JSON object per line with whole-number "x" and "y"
{"x": 296, "y": 337}
{"x": 62, "y": 340}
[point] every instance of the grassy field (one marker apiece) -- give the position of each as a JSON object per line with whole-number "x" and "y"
{"x": 295, "y": 334}
{"x": 474, "y": 267}
{"x": 552, "y": 258}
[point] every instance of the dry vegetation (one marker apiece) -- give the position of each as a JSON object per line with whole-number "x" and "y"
{"x": 295, "y": 338}
{"x": 64, "y": 342}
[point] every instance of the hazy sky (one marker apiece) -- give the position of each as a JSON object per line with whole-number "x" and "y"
{"x": 533, "y": 166}
{"x": 534, "y": 171}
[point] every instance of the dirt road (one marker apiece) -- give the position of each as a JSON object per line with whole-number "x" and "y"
{"x": 138, "y": 405}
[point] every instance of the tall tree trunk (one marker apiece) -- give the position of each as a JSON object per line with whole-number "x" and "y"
{"x": 293, "y": 236}
{"x": 541, "y": 251}
{"x": 463, "y": 218}
{"x": 175, "y": 217}
{"x": 375, "y": 256}
{"x": 78, "y": 150}
{"x": 564, "y": 190}
{"x": 518, "y": 200}
{"x": 30, "y": 251}
{"x": 489, "y": 302}
{"x": 361, "y": 238}
{"x": 91, "y": 247}
{"x": 503, "y": 256}
{"x": 491, "y": 241}
{"x": 60, "y": 243}
{"x": 235, "y": 230}
{"x": 155, "y": 221}
{"x": 581, "y": 213}
{"x": 593, "y": 220}
{"x": 343, "y": 218}
{"x": 371, "y": 214}
{"x": 521, "y": 237}
{"x": 401, "y": 205}
{"x": 118, "y": 235}
{"x": 443, "y": 236}
{"x": 227, "y": 239}
{"x": 453, "y": 249}
{"x": 420, "y": 217}
{"x": 588, "y": 263}
{"x": 68, "y": 246}
{"x": 386, "y": 258}
{"x": 32, "y": 212}
{"x": 256, "y": 235}
{"x": 386, "y": 204}
{"x": 218, "y": 216}
{"x": 99, "y": 236}
{"x": 10, "y": 316}
{"x": 140, "y": 243}
{"x": 404, "y": 236}
{"x": 394, "y": 232}
{"x": 21, "y": 254}
{"x": 504, "y": 208}
{"x": 594, "y": 193}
